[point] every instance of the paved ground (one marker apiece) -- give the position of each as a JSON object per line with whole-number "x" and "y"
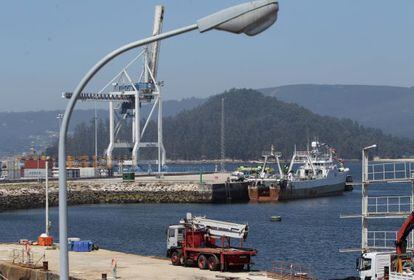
{"x": 92, "y": 265}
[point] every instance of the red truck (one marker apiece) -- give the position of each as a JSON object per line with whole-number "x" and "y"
{"x": 206, "y": 243}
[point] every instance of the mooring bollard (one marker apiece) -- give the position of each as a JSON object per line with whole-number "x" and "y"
{"x": 104, "y": 276}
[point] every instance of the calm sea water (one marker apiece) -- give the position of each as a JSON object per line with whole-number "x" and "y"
{"x": 310, "y": 233}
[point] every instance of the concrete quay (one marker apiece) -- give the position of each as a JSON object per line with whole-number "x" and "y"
{"x": 144, "y": 189}
{"x": 92, "y": 265}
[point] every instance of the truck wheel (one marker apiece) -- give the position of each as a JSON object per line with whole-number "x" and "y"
{"x": 202, "y": 262}
{"x": 213, "y": 263}
{"x": 175, "y": 258}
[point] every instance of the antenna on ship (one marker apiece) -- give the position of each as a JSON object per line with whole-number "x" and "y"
{"x": 222, "y": 137}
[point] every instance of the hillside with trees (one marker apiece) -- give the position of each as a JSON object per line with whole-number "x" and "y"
{"x": 253, "y": 122}
{"x": 385, "y": 107}
{"x": 20, "y": 131}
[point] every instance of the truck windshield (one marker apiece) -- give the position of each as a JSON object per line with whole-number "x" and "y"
{"x": 364, "y": 264}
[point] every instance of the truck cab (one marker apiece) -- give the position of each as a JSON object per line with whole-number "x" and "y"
{"x": 175, "y": 237}
{"x": 372, "y": 265}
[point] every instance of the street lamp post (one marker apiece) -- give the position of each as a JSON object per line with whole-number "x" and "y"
{"x": 249, "y": 18}
{"x": 47, "y": 197}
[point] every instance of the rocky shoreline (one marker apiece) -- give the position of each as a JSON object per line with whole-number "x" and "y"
{"x": 15, "y": 196}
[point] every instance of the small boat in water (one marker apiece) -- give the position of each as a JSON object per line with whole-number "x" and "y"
{"x": 311, "y": 173}
{"x": 275, "y": 218}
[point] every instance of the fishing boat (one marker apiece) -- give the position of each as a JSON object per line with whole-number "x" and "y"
{"x": 319, "y": 173}
{"x": 262, "y": 172}
{"x": 315, "y": 172}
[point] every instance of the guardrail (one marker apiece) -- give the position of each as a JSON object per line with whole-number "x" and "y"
{"x": 400, "y": 276}
{"x": 290, "y": 271}
{"x": 26, "y": 257}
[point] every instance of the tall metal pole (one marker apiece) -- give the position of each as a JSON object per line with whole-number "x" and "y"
{"x": 137, "y": 130}
{"x": 412, "y": 207}
{"x": 222, "y": 136}
{"x": 153, "y": 67}
{"x": 96, "y": 142}
{"x": 111, "y": 135}
{"x": 160, "y": 147}
{"x": 47, "y": 197}
{"x": 63, "y": 211}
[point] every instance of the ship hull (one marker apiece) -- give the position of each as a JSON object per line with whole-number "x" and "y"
{"x": 332, "y": 186}
{"x": 312, "y": 192}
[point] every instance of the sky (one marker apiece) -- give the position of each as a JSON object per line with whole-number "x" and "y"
{"x": 47, "y": 46}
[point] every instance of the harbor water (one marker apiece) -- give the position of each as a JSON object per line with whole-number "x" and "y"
{"x": 311, "y": 231}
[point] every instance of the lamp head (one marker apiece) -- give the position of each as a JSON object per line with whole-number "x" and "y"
{"x": 371, "y": 147}
{"x": 249, "y": 18}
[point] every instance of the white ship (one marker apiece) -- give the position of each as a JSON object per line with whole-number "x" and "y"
{"x": 319, "y": 174}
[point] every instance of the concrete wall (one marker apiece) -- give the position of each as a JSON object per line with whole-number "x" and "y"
{"x": 12, "y": 271}
{"x": 32, "y": 195}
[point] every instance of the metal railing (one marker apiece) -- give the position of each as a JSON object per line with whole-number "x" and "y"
{"x": 378, "y": 205}
{"x": 400, "y": 276}
{"x": 390, "y": 171}
{"x": 27, "y": 258}
{"x": 384, "y": 240}
{"x": 287, "y": 271}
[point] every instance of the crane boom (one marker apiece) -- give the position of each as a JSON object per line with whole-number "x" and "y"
{"x": 406, "y": 228}
{"x": 218, "y": 228}
{"x": 155, "y": 47}
{"x": 401, "y": 242}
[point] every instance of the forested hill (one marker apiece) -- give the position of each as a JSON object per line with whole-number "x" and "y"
{"x": 253, "y": 122}
{"x": 386, "y": 107}
{"x": 19, "y": 131}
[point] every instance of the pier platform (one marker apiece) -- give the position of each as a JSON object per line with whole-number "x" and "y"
{"x": 179, "y": 188}
{"x": 91, "y": 265}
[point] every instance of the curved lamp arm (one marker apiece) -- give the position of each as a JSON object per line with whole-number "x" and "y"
{"x": 250, "y": 18}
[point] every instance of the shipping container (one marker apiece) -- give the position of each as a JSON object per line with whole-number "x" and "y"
{"x": 85, "y": 172}
{"x": 35, "y": 173}
{"x": 37, "y": 164}
{"x": 71, "y": 173}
